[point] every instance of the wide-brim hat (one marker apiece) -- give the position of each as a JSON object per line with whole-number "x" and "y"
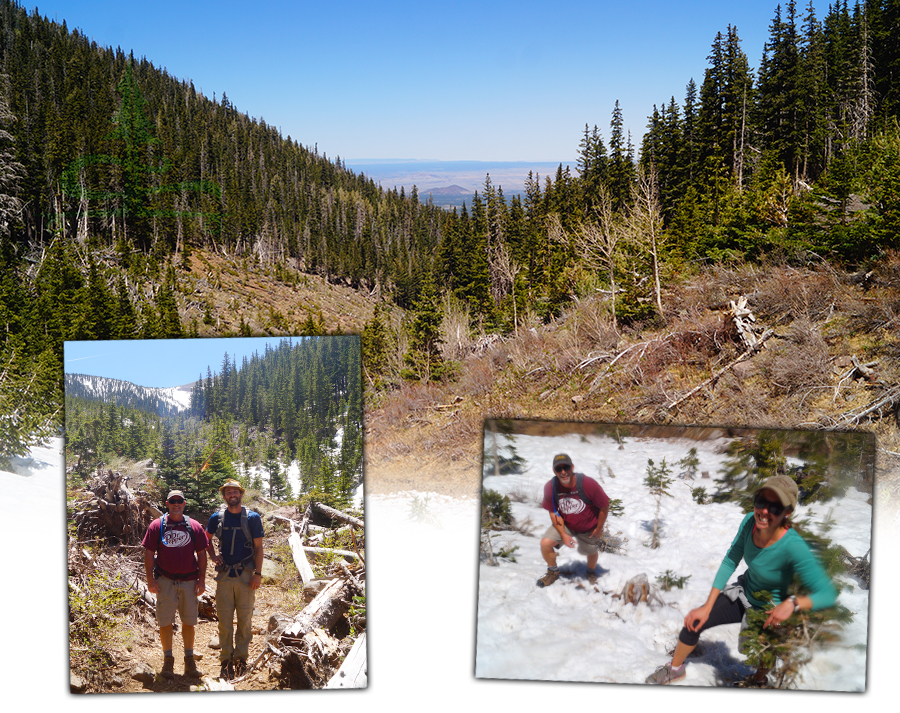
{"x": 561, "y": 459}
{"x": 784, "y": 487}
{"x": 231, "y": 483}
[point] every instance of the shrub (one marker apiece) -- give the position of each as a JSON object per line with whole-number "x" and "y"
{"x": 95, "y": 609}
{"x": 616, "y": 507}
{"x": 495, "y": 511}
{"x": 669, "y": 579}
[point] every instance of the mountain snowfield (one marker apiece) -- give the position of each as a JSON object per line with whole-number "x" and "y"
{"x": 570, "y": 632}
{"x": 177, "y": 398}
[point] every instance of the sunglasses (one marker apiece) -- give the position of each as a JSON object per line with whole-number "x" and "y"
{"x": 561, "y": 468}
{"x": 775, "y": 508}
{"x": 176, "y": 501}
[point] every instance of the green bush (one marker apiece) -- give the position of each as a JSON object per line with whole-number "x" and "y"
{"x": 669, "y": 579}
{"x": 496, "y": 511}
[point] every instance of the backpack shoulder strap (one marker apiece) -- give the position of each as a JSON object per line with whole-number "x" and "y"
{"x": 221, "y": 521}
{"x": 245, "y": 527}
{"x": 190, "y": 529}
{"x": 579, "y": 485}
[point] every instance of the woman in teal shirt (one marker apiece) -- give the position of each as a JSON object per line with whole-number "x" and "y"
{"x": 773, "y": 552}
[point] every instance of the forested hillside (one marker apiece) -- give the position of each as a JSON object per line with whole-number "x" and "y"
{"x": 116, "y": 177}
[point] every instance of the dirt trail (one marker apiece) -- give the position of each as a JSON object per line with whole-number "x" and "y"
{"x": 146, "y": 648}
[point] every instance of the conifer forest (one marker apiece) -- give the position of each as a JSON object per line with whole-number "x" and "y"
{"x": 112, "y": 172}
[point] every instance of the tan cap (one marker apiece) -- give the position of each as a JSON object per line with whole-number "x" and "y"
{"x": 232, "y": 483}
{"x": 784, "y": 487}
{"x": 174, "y": 494}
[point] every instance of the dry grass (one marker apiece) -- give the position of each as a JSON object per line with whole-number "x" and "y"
{"x": 234, "y": 290}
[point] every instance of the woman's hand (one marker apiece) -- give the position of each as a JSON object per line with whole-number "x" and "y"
{"x": 696, "y": 618}
{"x": 780, "y": 613}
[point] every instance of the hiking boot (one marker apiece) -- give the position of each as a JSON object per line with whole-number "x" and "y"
{"x": 227, "y": 671}
{"x": 168, "y": 669}
{"x": 592, "y": 577}
{"x": 665, "y": 675}
{"x": 190, "y": 667}
{"x": 240, "y": 667}
{"x": 549, "y": 578}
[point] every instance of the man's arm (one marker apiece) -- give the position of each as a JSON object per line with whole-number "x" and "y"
{"x": 256, "y": 579}
{"x": 152, "y": 585}
{"x": 560, "y": 526}
{"x": 601, "y": 522}
{"x": 200, "y": 587}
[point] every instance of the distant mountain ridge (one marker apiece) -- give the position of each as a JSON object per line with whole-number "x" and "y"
{"x": 163, "y": 401}
{"x": 447, "y": 190}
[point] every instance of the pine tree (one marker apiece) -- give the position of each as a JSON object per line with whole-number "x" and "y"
{"x": 423, "y": 359}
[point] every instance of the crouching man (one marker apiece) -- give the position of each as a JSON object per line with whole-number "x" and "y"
{"x": 578, "y": 510}
{"x": 175, "y": 564}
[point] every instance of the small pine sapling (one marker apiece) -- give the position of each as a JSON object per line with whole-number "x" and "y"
{"x": 669, "y": 579}
{"x": 700, "y": 495}
{"x": 689, "y": 465}
{"x": 616, "y": 507}
{"x": 657, "y": 481}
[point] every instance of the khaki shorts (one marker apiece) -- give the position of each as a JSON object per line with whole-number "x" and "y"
{"x": 176, "y": 596}
{"x": 587, "y": 545}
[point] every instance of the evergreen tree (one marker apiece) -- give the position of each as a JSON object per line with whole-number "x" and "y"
{"x": 423, "y": 359}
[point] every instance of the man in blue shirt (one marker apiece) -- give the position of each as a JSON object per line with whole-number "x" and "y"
{"x": 238, "y": 575}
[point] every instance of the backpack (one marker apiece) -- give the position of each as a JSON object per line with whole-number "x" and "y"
{"x": 579, "y": 489}
{"x": 245, "y": 528}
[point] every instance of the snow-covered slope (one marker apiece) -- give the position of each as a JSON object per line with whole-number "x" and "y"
{"x": 164, "y": 401}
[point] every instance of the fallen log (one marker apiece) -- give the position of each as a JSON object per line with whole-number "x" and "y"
{"x": 889, "y": 399}
{"x": 327, "y": 551}
{"x": 746, "y": 355}
{"x": 338, "y": 515}
{"x": 299, "y": 556}
{"x": 321, "y": 613}
{"x": 353, "y": 673}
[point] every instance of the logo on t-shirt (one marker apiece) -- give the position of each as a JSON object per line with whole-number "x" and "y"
{"x": 176, "y": 538}
{"x": 571, "y": 506}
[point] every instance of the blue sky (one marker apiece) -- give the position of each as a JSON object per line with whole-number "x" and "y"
{"x": 493, "y": 81}
{"x": 159, "y": 362}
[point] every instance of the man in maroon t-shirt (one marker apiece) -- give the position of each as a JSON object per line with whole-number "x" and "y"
{"x": 576, "y": 515}
{"x": 177, "y": 576}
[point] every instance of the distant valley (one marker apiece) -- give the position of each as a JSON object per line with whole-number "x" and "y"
{"x": 450, "y": 183}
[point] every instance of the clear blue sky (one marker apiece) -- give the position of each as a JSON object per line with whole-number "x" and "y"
{"x": 495, "y": 81}
{"x": 159, "y": 362}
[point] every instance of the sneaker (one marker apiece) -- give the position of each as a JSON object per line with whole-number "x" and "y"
{"x": 549, "y": 578}
{"x": 592, "y": 578}
{"x": 168, "y": 669}
{"x": 190, "y": 667}
{"x": 665, "y": 675}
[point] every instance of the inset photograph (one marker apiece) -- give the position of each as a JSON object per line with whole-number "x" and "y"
{"x": 216, "y": 538}
{"x": 675, "y": 555}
